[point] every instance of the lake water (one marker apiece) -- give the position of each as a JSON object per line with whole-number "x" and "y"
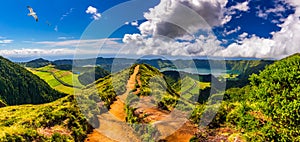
{"x": 200, "y": 71}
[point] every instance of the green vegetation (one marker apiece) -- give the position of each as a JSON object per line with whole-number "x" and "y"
{"x": 244, "y": 68}
{"x": 153, "y": 83}
{"x": 19, "y": 86}
{"x": 91, "y": 75}
{"x": 103, "y": 91}
{"x": 2, "y": 103}
{"x": 266, "y": 109}
{"x": 63, "y": 81}
{"x": 276, "y": 92}
{"x": 37, "y": 63}
{"x": 60, "y": 120}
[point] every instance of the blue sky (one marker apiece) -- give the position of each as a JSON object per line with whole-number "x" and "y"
{"x": 237, "y": 28}
{"x": 68, "y": 16}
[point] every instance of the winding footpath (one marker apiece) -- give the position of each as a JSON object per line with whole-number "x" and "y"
{"x": 113, "y": 127}
{"x": 172, "y": 126}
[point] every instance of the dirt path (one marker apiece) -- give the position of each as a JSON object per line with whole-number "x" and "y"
{"x": 117, "y": 108}
{"x": 112, "y": 124}
{"x": 183, "y": 134}
{"x": 172, "y": 126}
{"x": 98, "y": 137}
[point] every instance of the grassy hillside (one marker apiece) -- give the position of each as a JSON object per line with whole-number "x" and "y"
{"x": 244, "y": 68}
{"x": 19, "y": 86}
{"x": 265, "y": 110}
{"x": 60, "y": 80}
{"x": 91, "y": 75}
{"x": 60, "y": 120}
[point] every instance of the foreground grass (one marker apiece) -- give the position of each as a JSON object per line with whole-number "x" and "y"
{"x": 60, "y": 120}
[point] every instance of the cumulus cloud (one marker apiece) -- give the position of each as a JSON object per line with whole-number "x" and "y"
{"x": 192, "y": 15}
{"x": 92, "y": 10}
{"x": 172, "y": 28}
{"x": 248, "y": 47}
{"x": 243, "y": 35}
{"x": 277, "y": 11}
{"x": 283, "y": 43}
{"x": 241, "y": 6}
{"x": 173, "y": 20}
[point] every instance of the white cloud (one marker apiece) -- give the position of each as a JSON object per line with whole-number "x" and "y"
{"x": 249, "y": 47}
{"x": 66, "y": 47}
{"x": 243, "y": 35}
{"x": 171, "y": 20}
{"x": 164, "y": 46}
{"x": 277, "y": 11}
{"x": 6, "y": 41}
{"x": 260, "y": 13}
{"x": 86, "y": 43}
{"x": 64, "y": 38}
{"x": 183, "y": 13}
{"x": 92, "y": 10}
{"x": 66, "y": 14}
{"x": 241, "y": 6}
{"x": 283, "y": 43}
{"x": 229, "y": 12}
{"x": 233, "y": 31}
{"x": 159, "y": 36}
{"x": 36, "y": 52}
{"x": 134, "y": 23}
{"x": 63, "y": 17}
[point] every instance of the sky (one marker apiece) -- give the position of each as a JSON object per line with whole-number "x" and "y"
{"x": 266, "y": 29}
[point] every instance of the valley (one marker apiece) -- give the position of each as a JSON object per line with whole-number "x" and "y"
{"x": 141, "y": 103}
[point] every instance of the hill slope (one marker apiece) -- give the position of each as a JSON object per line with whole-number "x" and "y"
{"x": 92, "y": 74}
{"x": 59, "y": 121}
{"x": 37, "y": 63}
{"x": 19, "y": 86}
{"x": 265, "y": 110}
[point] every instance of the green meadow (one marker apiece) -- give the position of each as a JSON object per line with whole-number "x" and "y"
{"x": 51, "y": 76}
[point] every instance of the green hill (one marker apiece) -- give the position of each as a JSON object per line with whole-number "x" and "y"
{"x": 244, "y": 68}
{"x": 91, "y": 75}
{"x": 19, "y": 86}
{"x": 65, "y": 119}
{"x": 267, "y": 109}
{"x": 37, "y": 63}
